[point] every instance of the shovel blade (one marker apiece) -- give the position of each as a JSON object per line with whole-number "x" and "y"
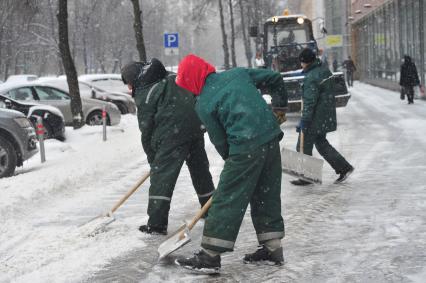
{"x": 96, "y": 225}
{"x": 303, "y": 166}
{"x": 174, "y": 242}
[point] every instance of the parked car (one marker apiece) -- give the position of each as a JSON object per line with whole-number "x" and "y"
{"x": 18, "y": 141}
{"x": 124, "y": 102}
{"x": 48, "y": 95}
{"x": 52, "y": 118}
{"x": 21, "y": 78}
{"x": 109, "y": 82}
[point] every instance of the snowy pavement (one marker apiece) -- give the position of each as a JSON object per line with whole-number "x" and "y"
{"x": 370, "y": 229}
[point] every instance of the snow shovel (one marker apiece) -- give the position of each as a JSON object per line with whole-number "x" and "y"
{"x": 300, "y": 165}
{"x": 181, "y": 237}
{"x": 98, "y": 223}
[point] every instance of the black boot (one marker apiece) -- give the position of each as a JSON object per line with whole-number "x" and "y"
{"x": 201, "y": 262}
{"x": 160, "y": 230}
{"x": 264, "y": 254}
{"x": 343, "y": 176}
{"x": 300, "y": 182}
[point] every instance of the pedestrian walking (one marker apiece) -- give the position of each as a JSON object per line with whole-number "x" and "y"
{"x": 323, "y": 56}
{"x": 246, "y": 134}
{"x": 258, "y": 61}
{"x": 349, "y": 65}
{"x": 319, "y": 115}
{"x": 409, "y": 79}
{"x": 171, "y": 135}
{"x": 335, "y": 65}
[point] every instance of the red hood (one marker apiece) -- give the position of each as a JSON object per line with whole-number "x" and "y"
{"x": 192, "y": 73}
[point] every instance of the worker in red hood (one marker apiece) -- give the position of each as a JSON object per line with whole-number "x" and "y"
{"x": 246, "y": 134}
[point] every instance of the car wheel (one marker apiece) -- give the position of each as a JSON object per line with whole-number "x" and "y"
{"x": 95, "y": 118}
{"x": 123, "y": 109}
{"x": 7, "y": 158}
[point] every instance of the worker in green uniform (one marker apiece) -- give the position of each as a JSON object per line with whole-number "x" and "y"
{"x": 319, "y": 115}
{"x": 171, "y": 134}
{"x": 246, "y": 134}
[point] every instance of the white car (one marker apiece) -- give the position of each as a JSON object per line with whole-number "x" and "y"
{"x": 21, "y": 78}
{"x": 46, "y": 94}
{"x": 109, "y": 82}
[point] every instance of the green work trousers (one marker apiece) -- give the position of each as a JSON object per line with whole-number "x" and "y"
{"x": 165, "y": 170}
{"x": 325, "y": 149}
{"x": 253, "y": 178}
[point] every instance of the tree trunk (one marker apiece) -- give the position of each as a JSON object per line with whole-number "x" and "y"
{"x": 137, "y": 25}
{"x": 246, "y": 40}
{"x": 233, "y": 56}
{"x": 224, "y": 37}
{"x": 70, "y": 71}
{"x": 257, "y": 21}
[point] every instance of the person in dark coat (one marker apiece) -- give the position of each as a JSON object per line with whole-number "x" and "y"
{"x": 171, "y": 135}
{"x": 349, "y": 65}
{"x": 335, "y": 65}
{"x": 409, "y": 79}
{"x": 319, "y": 115}
{"x": 245, "y": 132}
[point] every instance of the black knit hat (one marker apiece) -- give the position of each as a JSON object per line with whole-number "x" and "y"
{"x": 142, "y": 74}
{"x": 307, "y": 56}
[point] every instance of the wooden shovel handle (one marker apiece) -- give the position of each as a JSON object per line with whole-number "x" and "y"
{"x": 200, "y": 213}
{"x": 130, "y": 192}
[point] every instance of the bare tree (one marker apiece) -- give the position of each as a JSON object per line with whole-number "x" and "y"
{"x": 70, "y": 71}
{"x": 137, "y": 25}
{"x": 246, "y": 40}
{"x": 231, "y": 14}
{"x": 224, "y": 37}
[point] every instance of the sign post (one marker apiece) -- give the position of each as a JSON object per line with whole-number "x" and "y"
{"x": 171, "y": 44}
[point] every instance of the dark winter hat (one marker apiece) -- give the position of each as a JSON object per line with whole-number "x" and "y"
{"x": 307, "y": 56}
{"x": 142, "y": 74}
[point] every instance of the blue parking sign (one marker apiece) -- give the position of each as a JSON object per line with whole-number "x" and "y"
{"x": 171, "y": 40}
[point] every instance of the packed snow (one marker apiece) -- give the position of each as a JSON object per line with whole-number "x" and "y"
{"x": 372, "y": 228}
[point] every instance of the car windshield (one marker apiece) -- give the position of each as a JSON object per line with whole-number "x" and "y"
{"x": 287, "y": 34}
{"x": 23, "y": 93}
{"x": 47, "y": 93}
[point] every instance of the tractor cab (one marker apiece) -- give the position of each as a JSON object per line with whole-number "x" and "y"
{"x": 284, "y": 38}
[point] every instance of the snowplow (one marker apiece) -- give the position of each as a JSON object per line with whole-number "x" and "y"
{"x": 284, "y": 37}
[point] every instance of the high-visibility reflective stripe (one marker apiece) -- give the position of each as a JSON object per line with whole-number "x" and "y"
{"x": 149, "y": 93}
{"x": 160, "y": 197}
{"x": 217, "y": 242}
{"x": 206, "y": 195}
{"x": 269, "y": 236}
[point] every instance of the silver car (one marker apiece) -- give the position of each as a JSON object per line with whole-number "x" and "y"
{"x": 46, "y": 94}
{"x": 18, "y": 141}
{"x": 124, "y": 102}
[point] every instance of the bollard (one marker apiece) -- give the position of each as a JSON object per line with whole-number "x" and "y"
{"x": 40, "y": 136}
{"x": 104, "y": 123}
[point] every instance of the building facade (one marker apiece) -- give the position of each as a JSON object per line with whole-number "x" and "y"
{"x": 382, "y": 33}
{"x": 338, "y": 41}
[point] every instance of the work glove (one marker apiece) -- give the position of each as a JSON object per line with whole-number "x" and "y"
{"x": 303, "y": 125}
{"x": 279, "y": 113}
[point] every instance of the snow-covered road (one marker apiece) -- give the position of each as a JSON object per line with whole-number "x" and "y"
{"x": 370, "y": 229}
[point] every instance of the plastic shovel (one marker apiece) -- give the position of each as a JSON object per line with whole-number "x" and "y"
{"x": 98, "y": 223}
{"x": 301, "y": 165}
{"x": 181, "y": 237}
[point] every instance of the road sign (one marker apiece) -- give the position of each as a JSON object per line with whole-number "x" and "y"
{"x": 335, "y": 40}
{"x": 171, "y": 40}
{"x": 171, "y": 51}
{"x": 171, "y": 44}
